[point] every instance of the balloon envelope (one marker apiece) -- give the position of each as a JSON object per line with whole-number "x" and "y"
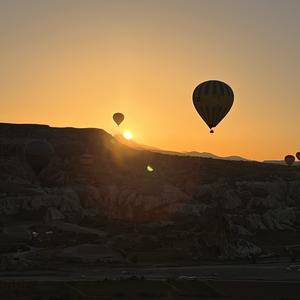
{"x": 213, "y": 99}
{"x": 38, "y": 154}
{"x": 118, "y": 118}
{"x": 298, "y": 155}
{"x": 289, "y": 159}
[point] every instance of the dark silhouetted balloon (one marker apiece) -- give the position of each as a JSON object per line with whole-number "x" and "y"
{"x": 38, "y": 154}
{"x": 213, "y": 100}
{"x": 298, "y": 155}
{"x": 289, "y": 159}
{"x": 118, "y": 118}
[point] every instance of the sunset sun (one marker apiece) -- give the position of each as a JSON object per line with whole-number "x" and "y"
{"x": 127, "y": 135}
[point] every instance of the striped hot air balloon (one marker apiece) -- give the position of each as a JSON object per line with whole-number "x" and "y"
{"x": 213, "y": 99}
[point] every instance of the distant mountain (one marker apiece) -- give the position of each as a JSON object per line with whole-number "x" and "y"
{"x": 135, "y": 145}
{"x": 211, "y": 155}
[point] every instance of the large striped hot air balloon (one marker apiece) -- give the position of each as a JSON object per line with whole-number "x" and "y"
{"x": 118, "y": 118}
{"x": 213, "y": 100}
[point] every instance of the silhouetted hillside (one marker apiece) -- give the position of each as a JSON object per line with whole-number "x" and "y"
{"x": 97, "y": 190}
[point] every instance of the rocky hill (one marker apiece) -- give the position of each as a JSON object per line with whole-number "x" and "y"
{"x": 97, "y": 190}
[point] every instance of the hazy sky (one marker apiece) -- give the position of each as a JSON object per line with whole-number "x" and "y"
{"x": 76, "y": 62}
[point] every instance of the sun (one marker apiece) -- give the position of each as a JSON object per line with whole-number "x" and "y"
{"x": 127, "y": 135}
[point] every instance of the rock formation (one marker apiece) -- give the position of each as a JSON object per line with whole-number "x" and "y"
{"x": 225, "y": 205}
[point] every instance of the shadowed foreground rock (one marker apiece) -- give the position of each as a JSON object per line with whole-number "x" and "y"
{"x": 189, "y": 208}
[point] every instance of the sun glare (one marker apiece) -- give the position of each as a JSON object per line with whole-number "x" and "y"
{"x": 127, "y": 135}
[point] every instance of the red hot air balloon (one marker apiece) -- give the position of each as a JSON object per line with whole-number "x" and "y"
{"x": 118, "y": 118}
{"x": 213, "y": 99}
{"x": 289, "y": 159}
{"x": 298, "y": 155}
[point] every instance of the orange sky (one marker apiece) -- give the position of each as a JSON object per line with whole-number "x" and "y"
{"x": 75, "y": 63}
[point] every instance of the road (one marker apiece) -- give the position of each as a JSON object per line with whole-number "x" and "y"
{"x": 270, "y": 281}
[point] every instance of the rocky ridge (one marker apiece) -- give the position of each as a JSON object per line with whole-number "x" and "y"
{"x": 224, "y": 208}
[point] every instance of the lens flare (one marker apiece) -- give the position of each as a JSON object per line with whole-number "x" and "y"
{"x": 149, "y": 168}
{"x": 127, "y": 135}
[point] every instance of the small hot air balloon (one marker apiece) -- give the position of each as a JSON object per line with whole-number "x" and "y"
{"x": 38, "y": 154}
{"x": 289, "y": 159}
{"x": 213, "y": 100}
{"x": 118, "y": 118}
{"x": 298, "y": 155}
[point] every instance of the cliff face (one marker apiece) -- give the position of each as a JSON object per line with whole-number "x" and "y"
{"x": 91, "y": 175}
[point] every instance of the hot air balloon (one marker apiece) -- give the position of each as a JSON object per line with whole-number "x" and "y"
{"x": 118, "y": 118}
{"x": 213, "y": 100}
{"x": 38, "y": 154}
{"x": 289, "y": 159}
{"x": 298, "y": 155}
